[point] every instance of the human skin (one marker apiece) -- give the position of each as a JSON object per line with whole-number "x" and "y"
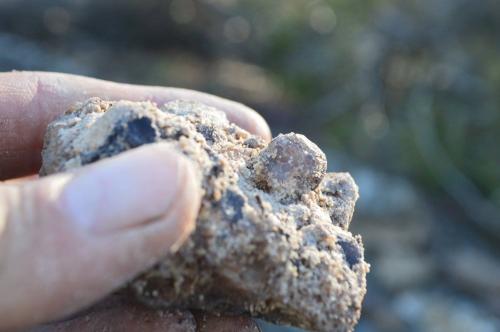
{"x": 62, "y": 246}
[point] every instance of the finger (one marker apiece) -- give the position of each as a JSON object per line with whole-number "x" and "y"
{"x": 116, "y": 315}
{"x": 21, "y": 179}
{"x": 206, "y": 322}
{"x": 30, "y": 100}
{"x": 69, "y": 239}
{"x": 125, "y": 317}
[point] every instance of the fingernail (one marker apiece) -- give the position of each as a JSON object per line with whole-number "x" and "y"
{"x": 132, "y": 188}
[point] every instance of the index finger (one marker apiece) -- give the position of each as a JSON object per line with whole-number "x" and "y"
{"x": 117, "y": 313}
{"x": 30, "y": 100}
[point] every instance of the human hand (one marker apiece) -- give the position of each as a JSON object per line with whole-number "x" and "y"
{"x": 68, "y": 240}
{"x": 115, "y": 313}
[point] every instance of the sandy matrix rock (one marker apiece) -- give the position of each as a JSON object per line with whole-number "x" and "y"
{"x": 272, "y": 235}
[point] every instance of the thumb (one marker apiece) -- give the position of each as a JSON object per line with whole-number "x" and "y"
{"x": 67, "y": 240}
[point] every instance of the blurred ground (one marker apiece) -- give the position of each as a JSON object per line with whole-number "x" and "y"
{"x": 404, "y": 94}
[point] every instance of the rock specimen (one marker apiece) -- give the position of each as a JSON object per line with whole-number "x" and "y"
{"x": 271, "y": 237}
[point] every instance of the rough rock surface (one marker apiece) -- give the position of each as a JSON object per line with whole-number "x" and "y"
{"x": 272, "y": 235}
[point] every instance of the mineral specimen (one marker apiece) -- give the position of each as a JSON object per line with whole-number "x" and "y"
{"x": 271, "y": 237}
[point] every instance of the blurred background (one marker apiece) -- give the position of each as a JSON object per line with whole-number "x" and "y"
{"x": 403, "y": 94}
